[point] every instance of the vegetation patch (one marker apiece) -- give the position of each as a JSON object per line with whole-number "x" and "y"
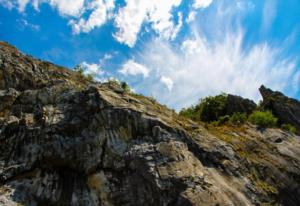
{"x": 84, "y": 77}
{"x": 263, "y": 119}
{"x": 238, "y": 118}
{"x": 289, "y": 128}
{"x": 209, "y": 109}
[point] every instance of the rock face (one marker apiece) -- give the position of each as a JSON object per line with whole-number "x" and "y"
{"x": 67, "y": 141}
{"x": 287, "y": 110}
{"x": 236, "y": 104}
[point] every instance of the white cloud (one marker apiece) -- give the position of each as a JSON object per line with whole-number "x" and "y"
{"x": 168, "y": 82}
{"x": 101, "y": 12}
{"x": 22, "y": 4}
{"x": 93, "y": 69}
{"x": 197, "y": 4}
{"x": 85, "y": 15}
{"x": 191, "y": 16}
{"x": 65, "y": 7}
{"x": 202, "y": 3}
{"x": 133, "y": 68}
{"x": 130, "y": 19}
{"x": 201, "y": 68}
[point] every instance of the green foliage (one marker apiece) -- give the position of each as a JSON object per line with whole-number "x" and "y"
{"x": 125, "y": 87}
{"x": 114, "y": 81}
{"x": 289, "y": 128}
{"x": 238, "y": 118}
{"x": 190, "y": 113}
{"x": 263, "y": 119}
{"x": 90, "y": 77}
{"x": 211, "y": 108}
{"x": 223, "y": 119}
{"x": 78, "y": 68}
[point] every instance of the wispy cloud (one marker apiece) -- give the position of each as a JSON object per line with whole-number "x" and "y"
{"x": 207, "y": 63}
{"x": 7, "y": 4}
{"x": 24, "y": 24}
{"x": 201, "y": 68}
{"x": 269, "y": 15}
{"x": 168, "y": 82}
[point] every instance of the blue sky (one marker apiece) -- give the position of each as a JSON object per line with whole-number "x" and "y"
{"x": 176, "y": 51}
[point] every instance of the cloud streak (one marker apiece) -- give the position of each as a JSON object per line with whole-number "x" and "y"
{"x": 200, "y": 68}
{"x": 269, "y": 14}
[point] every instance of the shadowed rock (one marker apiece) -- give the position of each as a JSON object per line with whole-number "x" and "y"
{"x": 65, "y": 140}
{"x": 236, "y": 104}
{"x": 287, "y": 110}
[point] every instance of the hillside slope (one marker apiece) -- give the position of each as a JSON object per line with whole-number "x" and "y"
{"x": 65, "y": 140}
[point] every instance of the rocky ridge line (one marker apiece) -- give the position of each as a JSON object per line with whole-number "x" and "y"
{"x": 67, "y": 141}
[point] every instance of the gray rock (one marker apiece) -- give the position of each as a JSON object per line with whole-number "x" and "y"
{"x": 287, "y": 110}
{"x": 66, "y": 141}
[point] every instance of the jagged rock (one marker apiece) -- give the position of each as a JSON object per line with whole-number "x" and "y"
{"x": 287, "y": 110}
{"x": 74, "y": 142}
{"x": 7, "y": 98}
{"x": 236, "y": 104}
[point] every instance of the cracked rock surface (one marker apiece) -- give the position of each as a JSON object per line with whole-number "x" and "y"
{"x": 67, "y": 141}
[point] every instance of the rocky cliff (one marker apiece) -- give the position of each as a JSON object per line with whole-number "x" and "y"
{"x": 287, "y": 110}
{"x": 65, "y": 140}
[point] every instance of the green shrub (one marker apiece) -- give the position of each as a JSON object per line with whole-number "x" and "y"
{"x": 90, "y": 77}
{"x": 78, "y": 68}
{"x": 263, "y": 119}
{"x": 113, "y": 81}
{"x": 125, "y": 87}
{"x": 208, "y": 109}
{"x": 223, "y": 119}
{"x": 289, "y": 128}
{"x": 211, "y": 108}
{"x": 238, "y": 118}
{"x": 189, "y": 113}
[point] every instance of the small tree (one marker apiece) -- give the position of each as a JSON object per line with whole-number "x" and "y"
{"x": 125, "y": 87}
{"x": 78, "y": 68}
{"x": 90, "y": 77}
{"x": 263, "y": 119}
{"x": 212, "y": 108}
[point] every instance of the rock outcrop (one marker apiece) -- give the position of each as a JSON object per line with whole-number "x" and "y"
{"x": 236, "y": 104}
{"x": 287, "y": 110}
{"x": 65, "y": 140}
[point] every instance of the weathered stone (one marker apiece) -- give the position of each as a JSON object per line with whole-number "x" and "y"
{"x": 95, "y": 144}
{"x": 235, "y": 104}
{"x": 287, "y": 110}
